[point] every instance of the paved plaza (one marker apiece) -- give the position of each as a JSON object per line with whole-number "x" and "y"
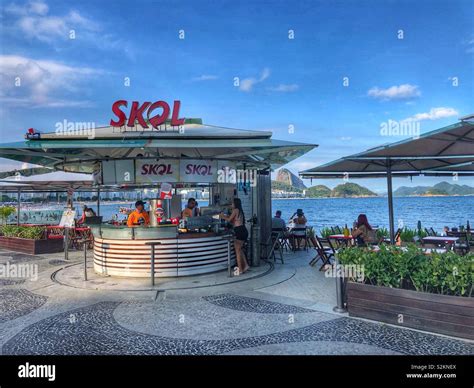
{"x": 273, "y": 309}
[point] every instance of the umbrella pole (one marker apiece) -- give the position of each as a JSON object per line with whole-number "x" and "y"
{"x": 18, "y": 207}
{"x": 390, "y": 202}
{"x": 98, "y": 202}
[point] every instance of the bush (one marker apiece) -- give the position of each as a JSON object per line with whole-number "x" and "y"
{"x": 410, "y": 268}
{"x": 30, "y": 232}
{"x": 411, "y": 235}
{"x": 5, "y": 212}
{"x": 325, "y": 232}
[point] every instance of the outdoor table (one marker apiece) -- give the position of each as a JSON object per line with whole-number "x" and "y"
{"x": 440, "y": 240}
{"x": 341, "y": 239}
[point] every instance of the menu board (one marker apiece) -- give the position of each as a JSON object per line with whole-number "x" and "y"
{"x": 67, "y": 219}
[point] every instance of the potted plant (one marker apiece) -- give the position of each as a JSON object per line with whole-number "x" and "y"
{"x": 406, "y": 287}
{"x": 28, "y": 239}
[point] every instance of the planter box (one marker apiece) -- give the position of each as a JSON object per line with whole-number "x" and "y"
{"x": 32, "y": 247}
{"x": 444, "y": 314}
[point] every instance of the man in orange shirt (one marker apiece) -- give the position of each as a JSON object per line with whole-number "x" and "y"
{"x": 139, "y": 217}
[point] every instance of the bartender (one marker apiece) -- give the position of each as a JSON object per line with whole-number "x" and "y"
{"x": 189, "y": 210}
{"x": 139, "y": 217}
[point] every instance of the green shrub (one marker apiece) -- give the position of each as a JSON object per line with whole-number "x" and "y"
{"x": 411, "y": 235}
{"x": 325, "y": 232}
{"x": 410, "y": 268}
{"x": 382, "y": 233}
{"x": 30, "y": 232}
{"x": 5, "y": 212}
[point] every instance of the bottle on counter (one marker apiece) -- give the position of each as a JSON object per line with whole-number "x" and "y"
{"x": 346, "y": 231}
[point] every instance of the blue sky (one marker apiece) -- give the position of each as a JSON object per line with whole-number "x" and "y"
{"x": 401, "y": 60}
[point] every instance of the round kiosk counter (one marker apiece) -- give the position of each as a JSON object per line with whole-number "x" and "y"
{"x": 123, "y": 251}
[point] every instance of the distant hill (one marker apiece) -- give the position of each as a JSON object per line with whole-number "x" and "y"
{"x": 319, "y": 191}
{"x": 342, "y": 190}
{"x": 287, "y": 177}
{"x": 351, "y": 190}
{"x": 442, "y": 188}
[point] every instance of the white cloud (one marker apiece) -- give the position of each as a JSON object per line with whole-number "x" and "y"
{"x": 27, "y": 81}
{"x": 31, "y": 7}
{"x": 284, "y": 88}
{"x": 434, "y": 114}
{"x": 35, "y": 22}
{"x": 401, "y": 92}
{"x": 205, "y": 77}
{"x": 247, "y": 84}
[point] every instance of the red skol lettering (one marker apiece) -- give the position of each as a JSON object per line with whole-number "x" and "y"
{"x": 137, "y": 111}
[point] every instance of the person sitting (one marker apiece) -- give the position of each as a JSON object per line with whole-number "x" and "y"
{"x": 86, "y": 212}
{"x": 363, "y": 232}
{"x": 189, "y": 211}
{"x": 278, "y": 223}
{"x": 139, "y": 217}
{"x": 300, "y": 219}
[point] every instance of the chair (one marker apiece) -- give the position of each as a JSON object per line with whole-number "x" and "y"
{"x": 274, "y": 244}
{"x": 298, "y": 234}
{"x": 461, "y": 246}
{"x": 283, "y": 239}
{"x": 397, "y": 236}
{"x": 325, "y": 252}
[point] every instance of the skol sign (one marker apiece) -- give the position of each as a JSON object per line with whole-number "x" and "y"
{"x": 162, "y": 171}
{"x": 137, "y": 111}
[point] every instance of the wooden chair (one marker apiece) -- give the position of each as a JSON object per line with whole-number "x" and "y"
{"x": 299, "y": 234}
{"x": 283, "y": 239}
{"x": 397, "y": 236}
{"x": 324, "y": 251}
{"x": 461, "y": 246}
{"x": 275, "y": 245}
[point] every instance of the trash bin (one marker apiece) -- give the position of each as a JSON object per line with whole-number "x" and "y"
{"x": 255, "y": 246}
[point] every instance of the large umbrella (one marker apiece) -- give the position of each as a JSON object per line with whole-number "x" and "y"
{"x": 440, "y": 152}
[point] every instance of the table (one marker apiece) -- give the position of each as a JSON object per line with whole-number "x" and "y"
{"x": 341, "y": 239}
{"x": 441, "y": 241}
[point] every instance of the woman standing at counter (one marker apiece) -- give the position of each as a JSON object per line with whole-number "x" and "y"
{"x": 237, "y": 219}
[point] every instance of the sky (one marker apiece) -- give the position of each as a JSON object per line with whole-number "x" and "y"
{"x": 331, "y": 73}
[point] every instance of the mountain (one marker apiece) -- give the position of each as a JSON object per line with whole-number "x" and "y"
{"x": 286, "y": 176}
{"x": 351, "y": 190}
{"x": 343, "y": 190}
{"x": 318, "y": 191}
{"x": 282, "y": 186}
{"x": 442, "y": 188}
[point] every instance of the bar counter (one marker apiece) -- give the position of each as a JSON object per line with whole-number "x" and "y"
{"x": 123, "y": 251}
